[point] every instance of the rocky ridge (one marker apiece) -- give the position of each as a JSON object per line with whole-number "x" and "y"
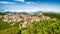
{"x": 24, "y": 19}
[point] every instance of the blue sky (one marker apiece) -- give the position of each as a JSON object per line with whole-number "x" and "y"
{"x": 30, "y": 5}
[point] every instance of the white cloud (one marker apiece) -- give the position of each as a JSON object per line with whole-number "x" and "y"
{"x": 4, "y": 2}
{"x": 30, "y": 3}
{"x": 32, "y": 10}
{"x": 35, "y": 3}
{"x": 20, "y": 0}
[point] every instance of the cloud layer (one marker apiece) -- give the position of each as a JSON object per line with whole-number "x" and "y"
{"x": 29, "y": 6}
{"x": 4, "y": 2}
{"x": 20, "y": 0}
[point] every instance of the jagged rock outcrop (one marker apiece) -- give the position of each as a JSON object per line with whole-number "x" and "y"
{"x": 24, "y": 19}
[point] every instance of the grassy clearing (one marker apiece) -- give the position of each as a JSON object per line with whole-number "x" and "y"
{"x": 13, "y": 30}
{"x": 4, "y": 25}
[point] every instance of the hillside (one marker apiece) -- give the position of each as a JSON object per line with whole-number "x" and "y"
{"x": 52, "y": 15}
{"x": 29, "y": 24}
{"x": 2, "y": 13}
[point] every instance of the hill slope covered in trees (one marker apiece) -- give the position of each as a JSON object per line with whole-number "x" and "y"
{"x": 51, "y": 26}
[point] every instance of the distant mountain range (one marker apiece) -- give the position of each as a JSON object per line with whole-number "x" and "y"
{"x": 8, "y": 12}
{"x": 37, "y": 12}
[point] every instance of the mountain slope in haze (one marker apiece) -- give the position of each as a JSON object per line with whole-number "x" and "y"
{"x": 8, "y": 12}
